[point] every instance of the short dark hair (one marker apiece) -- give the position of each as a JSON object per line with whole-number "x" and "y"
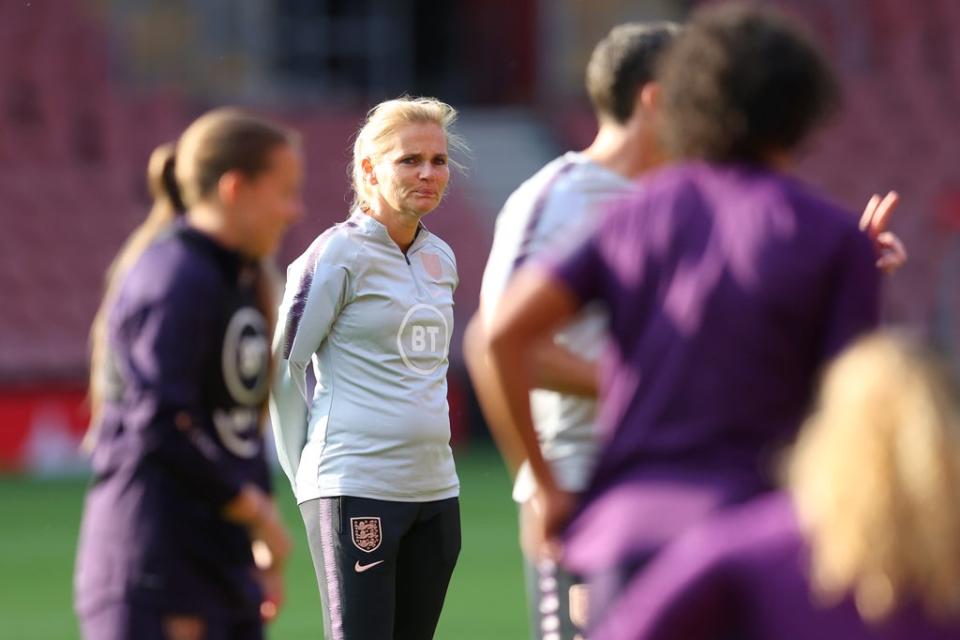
{"x": 623, "y": 62}
{"x": 741, "y": 82}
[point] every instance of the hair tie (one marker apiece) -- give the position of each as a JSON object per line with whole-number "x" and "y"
{"x": 169, "y": 178}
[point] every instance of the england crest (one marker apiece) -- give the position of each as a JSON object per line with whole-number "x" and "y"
{"x": 366, "y": 534}
{"x": 431, "y": 264}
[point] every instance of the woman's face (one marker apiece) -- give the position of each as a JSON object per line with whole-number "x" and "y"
{"x": 271, "y": 201}
{"x": 411, "y": 175}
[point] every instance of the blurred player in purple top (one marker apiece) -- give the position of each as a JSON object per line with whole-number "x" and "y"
{"x": 728, "y": 284}
{"x": 180, "y": 497}
{"x": 554, "y": 205}
{"x": 863, "y": 544}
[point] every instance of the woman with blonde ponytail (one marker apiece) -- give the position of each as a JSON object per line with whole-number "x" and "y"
{"x": 180, "y": 369}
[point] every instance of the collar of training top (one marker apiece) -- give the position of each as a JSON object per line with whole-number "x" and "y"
{"x": 230, "y": 261}
{"x": 378, "y": 230}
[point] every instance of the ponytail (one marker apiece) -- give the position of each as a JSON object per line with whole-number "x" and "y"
{"x": 167, "y": 205}
{"x": 179, "y": 176}
{"x": 162, "y": 178}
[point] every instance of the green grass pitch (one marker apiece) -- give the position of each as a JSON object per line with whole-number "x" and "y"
{"x": 38, "y": 536}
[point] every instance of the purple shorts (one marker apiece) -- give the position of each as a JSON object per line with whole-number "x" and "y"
{"x": 124, "y": 621}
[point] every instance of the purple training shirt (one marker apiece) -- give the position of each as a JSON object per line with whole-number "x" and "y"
{"x": 728, "y": 288}
{"x": 744, "y": 574}
{"x": 179, "y": 436}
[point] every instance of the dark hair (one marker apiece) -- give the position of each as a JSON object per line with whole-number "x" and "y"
{"x": 742, "y": 82}
{"x": 622, "y": 63}
{"x": 179, "y": 175}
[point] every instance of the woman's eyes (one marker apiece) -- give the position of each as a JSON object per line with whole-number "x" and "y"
{"x": 415, "y": 160}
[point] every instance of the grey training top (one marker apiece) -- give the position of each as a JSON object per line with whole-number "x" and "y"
{"x": 377, "y": 325}
{"x": 554, "y": 208}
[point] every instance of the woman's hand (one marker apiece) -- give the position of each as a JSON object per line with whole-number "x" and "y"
{"x": 891, "y": 254}
{"x": 271, "y": 548}
{"x": 543, "y": 518}
{"x": 271, "y": 543}
{"x": 274, "y": 595}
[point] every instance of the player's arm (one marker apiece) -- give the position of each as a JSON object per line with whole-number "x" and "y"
{"x": 534, "y": 305}
{"x": 258, "y": 512}
{"x": 493, "y": 404}
{"x": 540, "y": 299}
{"x": 311, "y": 303}
{"x": 554, "y": 368}
{"x": 559, "y": 369}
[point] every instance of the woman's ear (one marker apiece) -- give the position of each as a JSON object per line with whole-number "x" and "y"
{"x": 368, "y": 170}
{"x": 650, "y": 96}
{"x": 229, "y": 187}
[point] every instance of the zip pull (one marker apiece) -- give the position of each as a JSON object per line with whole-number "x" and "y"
{"x": 407, "y": 258}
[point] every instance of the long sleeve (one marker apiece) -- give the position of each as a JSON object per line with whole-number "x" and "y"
{"x": 316, "y": 292}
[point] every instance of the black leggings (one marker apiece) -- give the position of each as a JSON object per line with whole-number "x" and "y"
{"x": 382, "y": 567}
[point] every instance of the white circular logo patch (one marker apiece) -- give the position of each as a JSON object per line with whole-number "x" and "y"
{"x": 245, "y": 356}
{"x": 423, "y": 339}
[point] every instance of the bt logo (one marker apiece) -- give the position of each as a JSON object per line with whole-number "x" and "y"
{"x": 423, "y": 339}
{"x": 419, "y": 338}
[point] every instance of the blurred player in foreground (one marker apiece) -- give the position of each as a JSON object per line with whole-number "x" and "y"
{"x": 863, "y": 544}
{"x": 179, "y": 383}
{"x": 557, "y": 204}
{"x": 728, "y": 285}
{"x": 370, "y": 305}
{"x": 552, "y": 208}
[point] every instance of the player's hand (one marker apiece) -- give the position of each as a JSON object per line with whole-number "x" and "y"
{"x": 891, "y": 254}
{"x": 532, "y": 540}
{"x": 555, "y": 506}
{"x": 270, "y": 558}
{"x": 277, "y": 541}
{"x": 271, "y": 582}
{"x": 533, "y": 531}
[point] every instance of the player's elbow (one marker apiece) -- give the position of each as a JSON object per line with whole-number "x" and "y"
{"x": 503, "y": 339}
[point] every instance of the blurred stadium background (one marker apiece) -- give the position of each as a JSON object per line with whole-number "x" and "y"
{"x": 89, "y": 88}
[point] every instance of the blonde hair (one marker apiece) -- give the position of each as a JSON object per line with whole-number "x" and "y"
{"x": 383, "y": 121}
{"x": 179, "y": 175}
{"x": 875, "y": 477}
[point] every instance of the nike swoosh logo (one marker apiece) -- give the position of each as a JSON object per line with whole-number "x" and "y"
{"x": 360, "y": 568}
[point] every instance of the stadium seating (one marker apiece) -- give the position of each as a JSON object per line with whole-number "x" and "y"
{"x": 73, "y": 148}
{"x": 74, "y": 143}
